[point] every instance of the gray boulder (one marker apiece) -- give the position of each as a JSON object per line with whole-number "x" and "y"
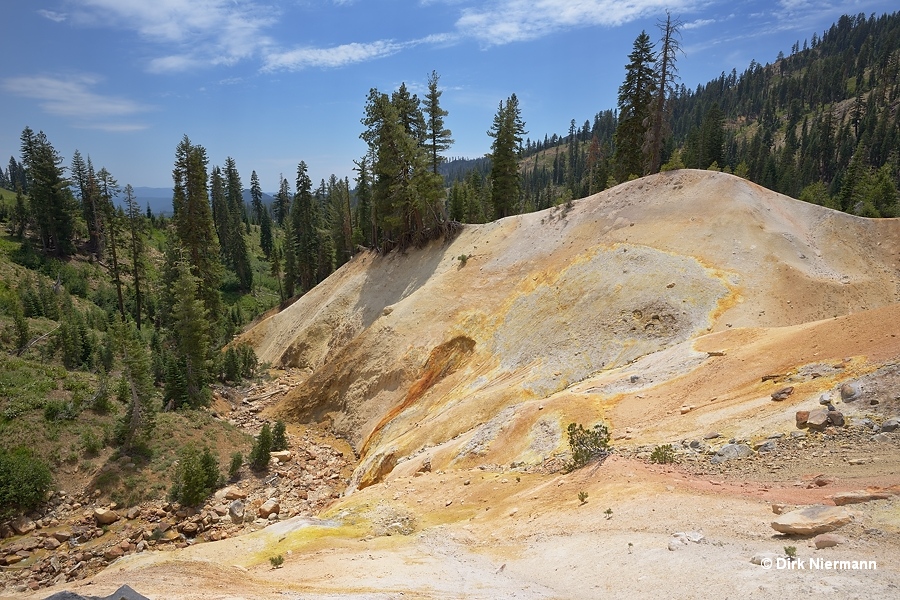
{"x": 891, "y": 424}
{"x": 236, "y": 512}
{"x": 731, "y": 452}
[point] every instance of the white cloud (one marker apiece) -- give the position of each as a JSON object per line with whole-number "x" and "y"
{"x": 72, "y": 97}
{"x": 54, "y": 16}
{"x": 336, "y": 56}
{"x": 504, "y": 21}
{"x": 697, "y": 24}
{"x": 204, "y": 32}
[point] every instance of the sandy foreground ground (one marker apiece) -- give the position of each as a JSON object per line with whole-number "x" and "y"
{"x": 501, "y": 538}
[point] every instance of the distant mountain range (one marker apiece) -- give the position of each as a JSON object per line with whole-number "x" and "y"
{"x": 160, "y": 199}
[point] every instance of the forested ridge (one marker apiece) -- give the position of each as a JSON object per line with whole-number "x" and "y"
{"x": 821, "y": 124}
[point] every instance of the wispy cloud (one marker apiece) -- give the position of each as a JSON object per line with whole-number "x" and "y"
{"x": 72, "y": 97}
{"x": 204, "y": 32}
{"x": 336, "y": 56}
{"x": 697, "y": 24}
{"x": 57, "y": 17}
{"x": 505, "y": 21}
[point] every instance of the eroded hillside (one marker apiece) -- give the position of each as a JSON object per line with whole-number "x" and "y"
{"x": 691, "y": 308}
{"x": 437, "y": 351}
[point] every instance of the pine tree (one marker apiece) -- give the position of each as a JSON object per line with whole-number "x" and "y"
{"x": 138, "y": 420}
{"x": 439, "y": 139}
{"x": 635, "y": 99}
{"x": 136, "y": 230}
{"x": 265, "y": 233}
{"x": 108, "y": 189}
{"x": 256, "y": 199}
{"x": 188, "y": 373}
{"x": 220, "y": 215}
{"x": 194, "y": 224}
{"x": 86, "y": 183}
{"x": 237, "y": 249}
{"x": 51, "y": 200}
{"x": 304, "y": 231}
{"x": 364, "y": 233}
{"x": 282, "y": 205}
{"x": 507, "y": 131}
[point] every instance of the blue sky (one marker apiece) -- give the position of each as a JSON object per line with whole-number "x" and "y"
{"x": 274, "y": 82}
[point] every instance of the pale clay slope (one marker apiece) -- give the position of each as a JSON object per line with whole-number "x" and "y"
{"x": 557, "y": 318}
{"x": 551, "y": 299}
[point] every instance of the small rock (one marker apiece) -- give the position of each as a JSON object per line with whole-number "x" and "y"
{"x": 801, "y": 417}
{"x": 822, "y": 480}
{"x": 236, "y": 512}
{"x": 824, "y": 400}
{"x": 269, "y": 507}
{"x": 881, "y": 437}
{"x": 23, "y": 525}
{"x": 890, "y": 425}
{"x": 113, "y": 553}
{"x": 52, "y": 543}
{"x": 835, "y": 417}
{"x": 712, "y": 435}
{"x": 282, "y": 456}
{"x": 812, "y": 520}
{"x": 731, "y": 452}
{"x": 104, "y": 516}
{"x": 850, "y": 392}
{"x": 798, "y": 434}
{"x": 766, "y": 446}
{"x": 783, "y": 393}
{"x": 827, "y": 540}
{"x": 779, "y": 508}
{"x": 232, "y": 493}
{"x": 859, "y": 496}
{"x": 817, "y": 419}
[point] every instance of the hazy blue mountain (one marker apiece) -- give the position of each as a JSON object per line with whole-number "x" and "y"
{"x": 160, "y": 199}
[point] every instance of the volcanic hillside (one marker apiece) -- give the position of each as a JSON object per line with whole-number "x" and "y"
{"x": 481, "y": 351}
{"x": 691, "y": 308}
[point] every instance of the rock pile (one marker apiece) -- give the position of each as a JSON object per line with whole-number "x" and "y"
{"x": 72, "y": 539}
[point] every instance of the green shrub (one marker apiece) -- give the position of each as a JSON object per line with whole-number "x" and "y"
{"x": 663, "y": 455}
{"x": 59, "y": 410}
{"x": 24, "y": 481}
{"x": 582, "y": 497}
{"x": 237, "y": 459}
{"x": 276, "y": 561}
{"x": 587, "y": 444}
{"x": 91, "y": 442}
{"x": 259, "y": 456}
{"x": 279, "y": 439}
{"x": 196, "y": 476}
